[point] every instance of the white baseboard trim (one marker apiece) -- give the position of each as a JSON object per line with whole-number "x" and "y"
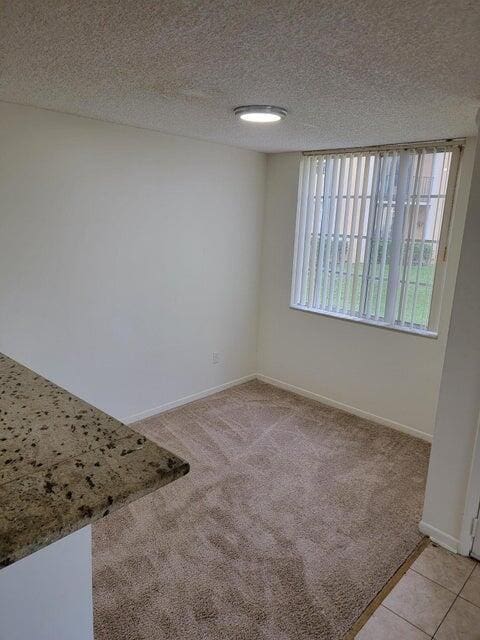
{"x": 439, "y": 537}
{"x": 148, "y": 413}
{"x": 346, "y": 407}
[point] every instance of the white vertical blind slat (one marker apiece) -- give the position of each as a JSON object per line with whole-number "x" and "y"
{"x": 359, "y": 234}
{"x": 336, "y": 232}
{"x": 309, "y": 221}
{"x": 323, "y": 231}
{"x": 377, "y": 217}
{"x": 300, "y": 227}
{"x": 316, "y": 231}
{"x": 353, "y": 225}
{"x": 368, "y": 238}
{"x": 342, "y": 283}
{"x": 331, "y": 222}
{"x": 387, "y": 230}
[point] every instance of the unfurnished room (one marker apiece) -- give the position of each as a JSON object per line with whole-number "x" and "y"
{"x": 239, "y": 320}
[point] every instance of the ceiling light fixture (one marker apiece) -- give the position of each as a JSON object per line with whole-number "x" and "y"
{"x": 260, "y": 113}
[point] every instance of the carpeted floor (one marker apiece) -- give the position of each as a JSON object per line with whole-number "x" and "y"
{"x": 292, "y": 518}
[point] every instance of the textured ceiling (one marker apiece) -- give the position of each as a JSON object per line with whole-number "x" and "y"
{"x": 350, "y": 72}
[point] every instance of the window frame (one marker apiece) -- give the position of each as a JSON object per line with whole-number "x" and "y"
{"x": 456, "y": 146}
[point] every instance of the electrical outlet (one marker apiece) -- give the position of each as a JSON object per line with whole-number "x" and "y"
{"x": 215, "y": 357}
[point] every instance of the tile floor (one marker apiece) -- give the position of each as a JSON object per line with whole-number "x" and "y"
{"x": 438, "y": 597}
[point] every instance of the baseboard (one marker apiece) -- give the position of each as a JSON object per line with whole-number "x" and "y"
{"x": 148, "y": 413}
{"x": 439, "y": 537}
{"x": 346, "y": 407}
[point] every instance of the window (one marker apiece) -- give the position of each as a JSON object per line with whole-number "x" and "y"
{"x": 371, "y": 234}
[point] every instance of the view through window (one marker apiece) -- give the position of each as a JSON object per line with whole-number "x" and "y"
{"x": 371, "y": 234}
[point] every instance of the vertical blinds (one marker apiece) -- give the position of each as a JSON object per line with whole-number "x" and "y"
{"x": 368, "y": 233}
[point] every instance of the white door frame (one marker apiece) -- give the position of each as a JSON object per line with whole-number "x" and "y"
{"x": 472, "y": 501}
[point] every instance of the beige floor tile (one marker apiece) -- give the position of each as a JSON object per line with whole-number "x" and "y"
{"x": 420, "y": 601}
{"x": 471, "y": 591}
{"x": 461, "y": 623}
{"x": 385, "y": 625}
{"x": 448, "y": 569}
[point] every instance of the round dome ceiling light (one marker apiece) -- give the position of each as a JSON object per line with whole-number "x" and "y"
{"x": 260, "y": 113}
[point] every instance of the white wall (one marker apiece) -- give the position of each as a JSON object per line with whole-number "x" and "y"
{"x": 126, "y": 258}
{"x": 459, "y": 401}
{"x": 385, "y": 375}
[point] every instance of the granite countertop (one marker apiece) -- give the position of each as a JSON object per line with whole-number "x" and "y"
{"x": 65, "y": 464}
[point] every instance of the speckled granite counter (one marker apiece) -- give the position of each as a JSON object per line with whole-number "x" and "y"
{"x": 65, "y": 464}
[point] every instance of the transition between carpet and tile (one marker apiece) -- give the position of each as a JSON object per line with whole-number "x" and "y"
{"x": 292, "y": 519}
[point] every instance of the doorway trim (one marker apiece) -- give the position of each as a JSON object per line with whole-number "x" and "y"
{"x": 472, "y": 500}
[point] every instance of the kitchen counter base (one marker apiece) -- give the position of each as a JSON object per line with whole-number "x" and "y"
{"x": 48, "y": 594}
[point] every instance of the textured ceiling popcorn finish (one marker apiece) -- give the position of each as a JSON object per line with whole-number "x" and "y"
{"x": 350, "y": 72}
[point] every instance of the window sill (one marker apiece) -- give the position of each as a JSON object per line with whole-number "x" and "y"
{"x": 372, "y": 323}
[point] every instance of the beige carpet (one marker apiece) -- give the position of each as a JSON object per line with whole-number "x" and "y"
{"x": 293, "y": 517}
